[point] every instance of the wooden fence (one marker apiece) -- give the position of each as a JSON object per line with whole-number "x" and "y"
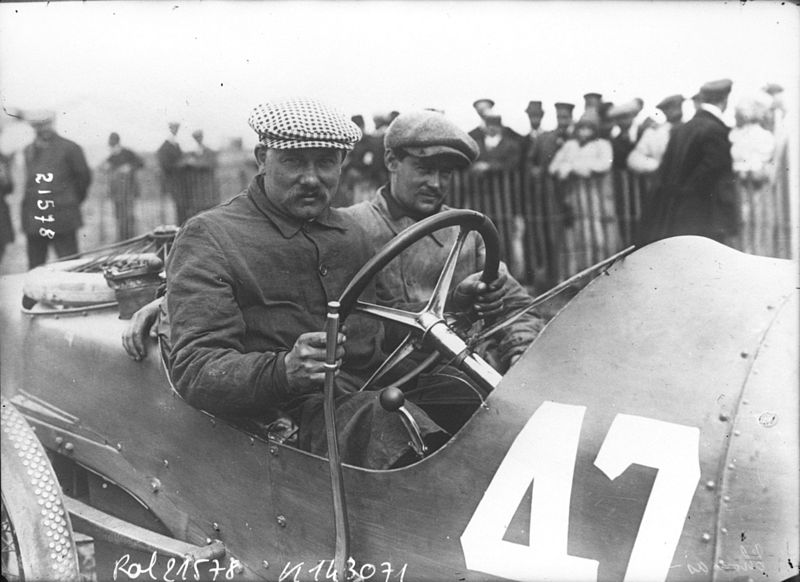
{"x": 548, "y": 230}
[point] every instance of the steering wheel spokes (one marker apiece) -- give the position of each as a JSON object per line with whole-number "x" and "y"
{"x": 429, "y": 325}
{"x": 401, "y": 352}
{"x": 441, "y": 291}
{"x": 401, "y": 316}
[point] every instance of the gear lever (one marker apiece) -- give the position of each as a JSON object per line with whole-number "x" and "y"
{"x": 393, "y": 400}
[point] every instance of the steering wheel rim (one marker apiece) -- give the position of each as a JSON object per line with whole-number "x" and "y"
{"x": 430, "y": 321}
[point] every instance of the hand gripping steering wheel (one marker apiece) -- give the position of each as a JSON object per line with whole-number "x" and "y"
{"x": 429, "y": 324}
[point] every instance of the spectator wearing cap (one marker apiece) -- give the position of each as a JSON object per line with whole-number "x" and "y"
{"x": 530, "y": 142}
{"x": 423, "y": 150}
{"x": 583, "y": 167}
{"x": 371, "y": 154}
{"x": 646, "y": 155}
{"x": 6, "y": 188}
{"x": 592, "y": 101}
{"x": 606, "y": 123}
{"x": 122, "y": 165}
{"x": 57, "y": 180}
{"x": 200, "y": 175}
{"x": 170, "y": 163}
{"x": 482, "y": 107}
{"x": 500, "y": 148}
{"x": 551, "y": 141}
{"x": 356, "y": 169}
{"x": 248, "y": 282}
{"x": 623, "y": 138}
{"x": 696, "y": 194}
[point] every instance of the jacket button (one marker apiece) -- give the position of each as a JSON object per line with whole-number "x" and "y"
{"x": 323, "y": 270}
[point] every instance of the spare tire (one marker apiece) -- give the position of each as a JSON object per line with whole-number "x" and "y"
{"x": 57, "y": 284}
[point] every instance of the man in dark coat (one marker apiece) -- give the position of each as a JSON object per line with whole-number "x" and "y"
{"x": 483, "y": 107}
{"x": 170, "y": 160}
{"x": 57, "y": 180}
{"x": 123, "y": 187}
{"x": 551, "y": 141}
{"x": 500, "y": 148}
{"x": 696, "y": 193}
{"x": 6, "y": 187}
{"x": 248, "y": 283}
{"x": 530, "y": 141}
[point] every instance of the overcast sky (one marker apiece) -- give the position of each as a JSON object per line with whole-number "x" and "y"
{"x": 131, "y": 66}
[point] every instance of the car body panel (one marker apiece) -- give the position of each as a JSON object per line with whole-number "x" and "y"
{"x": 659, "y": 350}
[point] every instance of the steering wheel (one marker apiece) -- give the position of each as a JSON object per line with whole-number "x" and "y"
{"x": 429, "y": 324}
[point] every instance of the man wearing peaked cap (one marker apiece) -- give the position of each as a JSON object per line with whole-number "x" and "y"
{"x": 592, "y": 101}
{"x": 623, "y": 139}
{"x": 716, "y": 91}
{"x": 696, "y": 194}
{"x": 646, "y": 156}
{"x": 535, "y": 115}
{"x": 500, "y": 147}
{"x": 423, "y": 150}
{"x": 61, "y": 165}
{"x": 248, "y": 284}
{"x": 540, "y": 156}
{"x": 670, "y": 102}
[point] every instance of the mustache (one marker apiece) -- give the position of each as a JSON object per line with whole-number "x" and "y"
{"x": 428, "y": 191}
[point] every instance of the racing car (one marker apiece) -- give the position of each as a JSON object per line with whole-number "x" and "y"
{"x": 650, "y": 432}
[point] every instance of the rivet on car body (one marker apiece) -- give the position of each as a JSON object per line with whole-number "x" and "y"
{"x": 726, "y": 498}
{"x": 59, "y": 441}
{"x": 265, "y": 564}
{"x": 723, "y": 417}
{"x": 155, "y": 485}
{"x": 706, "y": 537}
{"x": 69, "y": 447}
{"x": 215, "y": 525}
{"x": 724, "y": 530}
{"x": 710, "y": 485}
{"x": 273, "y": 451}
{"x": 119, "y": 446}
{"x": 281, "y": 521}
{"x": 166, "y": 463}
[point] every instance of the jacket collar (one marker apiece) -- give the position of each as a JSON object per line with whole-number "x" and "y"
{"x": 715, "y": 112}
{"x": 399, "y": 222}
{"x": 285, "y": 223}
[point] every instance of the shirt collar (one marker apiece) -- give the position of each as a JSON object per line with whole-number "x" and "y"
{"x": 715, "y": 111}
{"x": 398, "y": 217}
{"x": 285, "y": 223}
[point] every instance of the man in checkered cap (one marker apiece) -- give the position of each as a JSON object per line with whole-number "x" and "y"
{"x": 248, "y": 285}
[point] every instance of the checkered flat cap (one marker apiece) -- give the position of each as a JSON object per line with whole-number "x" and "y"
{"x": 303, "y": 123}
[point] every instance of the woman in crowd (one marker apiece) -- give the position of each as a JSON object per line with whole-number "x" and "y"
{"x": 583, "y": 166}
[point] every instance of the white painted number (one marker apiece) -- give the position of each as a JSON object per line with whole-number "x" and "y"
{"x": 545, "y": 452}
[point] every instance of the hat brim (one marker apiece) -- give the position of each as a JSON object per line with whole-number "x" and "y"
{"x": 440, "y": 150}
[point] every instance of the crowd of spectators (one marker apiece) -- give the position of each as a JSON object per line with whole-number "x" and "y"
{"x": 607, "y": 140}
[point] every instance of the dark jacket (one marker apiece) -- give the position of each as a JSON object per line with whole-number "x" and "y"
{"x": 506, "y": 155}
{"x": 696, "y": 194}
{"x": 407, "y": 282}
{"x": 546, "y": 147}
{"x": 6, "y": 187}
{"x": 243, "y": 282}
{"x": 61, "y": 168}
{"x": 169, "y": 156}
